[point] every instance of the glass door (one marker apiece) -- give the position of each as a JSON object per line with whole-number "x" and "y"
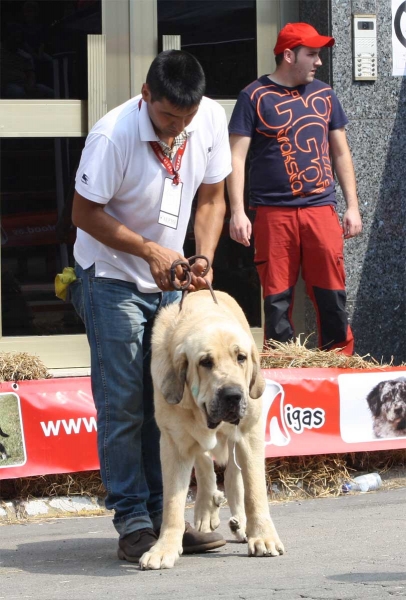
{"x": 232, "y": 40}
{"x": 53, "y": 88}
{"x": 221, "y": 35}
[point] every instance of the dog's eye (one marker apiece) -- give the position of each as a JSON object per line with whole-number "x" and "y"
{"x": 241, "y": 358}
{"x": 207, "y": 362}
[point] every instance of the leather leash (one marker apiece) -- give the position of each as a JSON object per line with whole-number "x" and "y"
{"x": 185, "y": 283}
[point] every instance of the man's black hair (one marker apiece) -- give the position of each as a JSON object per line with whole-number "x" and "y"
{"x": 178, "y": 77}
{"x": 279, "y": 57}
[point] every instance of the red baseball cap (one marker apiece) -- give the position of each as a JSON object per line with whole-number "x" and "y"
{"x": 300, "y": 34}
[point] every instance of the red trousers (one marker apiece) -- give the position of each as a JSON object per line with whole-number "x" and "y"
{"x": 310, "y": 239}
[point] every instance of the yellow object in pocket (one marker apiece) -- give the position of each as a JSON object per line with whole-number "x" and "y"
{"x": 62, "y": 281}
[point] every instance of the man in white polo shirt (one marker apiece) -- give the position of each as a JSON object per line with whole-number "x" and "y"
{"x": 140, "y": 169}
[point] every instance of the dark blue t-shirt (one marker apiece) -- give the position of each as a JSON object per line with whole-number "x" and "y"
{"x": 289, "y": 152}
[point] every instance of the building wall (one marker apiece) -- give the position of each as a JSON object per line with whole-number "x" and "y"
{"x": 375, "y": 261}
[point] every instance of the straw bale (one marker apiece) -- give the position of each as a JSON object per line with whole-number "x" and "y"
{"x": 323, "y": 475}
{"x": 288, "y": 478}
{"x": 19, "y": 366}
{"x": 295, "y": 354}
{"x": 87, "y": 483}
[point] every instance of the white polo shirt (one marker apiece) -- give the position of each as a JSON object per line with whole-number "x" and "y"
{"x": 118, "y": 168}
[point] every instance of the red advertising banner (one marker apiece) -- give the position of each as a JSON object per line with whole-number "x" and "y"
{"x": 325, "y": 411}
{"x": 49, "y": 426}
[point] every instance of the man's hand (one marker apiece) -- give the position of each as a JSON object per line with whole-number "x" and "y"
{"x": 198, "y": 282}
{"x": 240, "y": 228}
{"x": 160, "y": 260}
{"x": 352, "y": 223}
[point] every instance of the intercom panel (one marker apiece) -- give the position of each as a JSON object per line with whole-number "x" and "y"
{"x": 364, "y": 47}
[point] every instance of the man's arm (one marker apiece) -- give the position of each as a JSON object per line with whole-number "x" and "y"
{"x": 209, "y": 219}
{"x": 344, "y": 169}
{"x": 240, "y": 225}
{"x": 92, "y": 218}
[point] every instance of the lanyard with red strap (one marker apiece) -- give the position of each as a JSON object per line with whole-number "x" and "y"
{"x": 172, "y": 169}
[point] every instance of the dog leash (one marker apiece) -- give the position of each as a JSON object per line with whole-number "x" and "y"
{"x": 184, "y": 285}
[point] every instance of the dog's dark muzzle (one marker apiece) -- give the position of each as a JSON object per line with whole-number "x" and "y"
{"x": 229, "y": 405}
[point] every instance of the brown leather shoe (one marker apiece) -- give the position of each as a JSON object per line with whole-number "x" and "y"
{"x": 132, "y": 546}
{"x": 195, "y": 542}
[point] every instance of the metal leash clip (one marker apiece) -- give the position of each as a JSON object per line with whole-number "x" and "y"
{"x": 184, "y": 285}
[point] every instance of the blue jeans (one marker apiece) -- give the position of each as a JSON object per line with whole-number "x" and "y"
{"x": 118, "y": 320}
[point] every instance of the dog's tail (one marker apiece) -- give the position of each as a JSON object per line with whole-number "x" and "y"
{"x": 3, "y": 434}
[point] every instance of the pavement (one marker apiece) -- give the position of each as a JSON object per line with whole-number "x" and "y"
{"x": 346, "y": 548}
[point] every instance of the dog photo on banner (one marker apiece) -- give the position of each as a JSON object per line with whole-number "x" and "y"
{"x": 372, "y": 406}
{"x": 12, "y": 446}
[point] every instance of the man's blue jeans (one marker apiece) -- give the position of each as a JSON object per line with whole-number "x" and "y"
{"x": 118, "y": 320}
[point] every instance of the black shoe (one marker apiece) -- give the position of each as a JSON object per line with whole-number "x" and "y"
{"x": 132, "y": 546}
{"x": 195, "y": 542}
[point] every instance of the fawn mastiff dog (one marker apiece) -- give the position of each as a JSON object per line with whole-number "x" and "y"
{"x": 207, "y": 393}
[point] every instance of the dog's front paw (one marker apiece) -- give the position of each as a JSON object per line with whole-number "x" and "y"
{"x": 160, "y": 558}
{"x": 207, "y": 516}
{"x": 265, "y": 545}
{"x": 237, "y": 528}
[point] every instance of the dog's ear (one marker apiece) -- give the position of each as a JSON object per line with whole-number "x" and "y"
{"x": 374, "y": 399}
{"x": 174, "y": 382}
{"x": 257, "y": 383}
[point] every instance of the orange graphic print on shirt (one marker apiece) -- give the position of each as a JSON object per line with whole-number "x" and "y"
{"x": 300, "y": 126}
{"x": 289, "y": 151}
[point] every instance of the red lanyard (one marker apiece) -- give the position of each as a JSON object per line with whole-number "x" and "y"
{"x": 172, "y": 169}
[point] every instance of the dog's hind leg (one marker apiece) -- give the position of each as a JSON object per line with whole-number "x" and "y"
{"x": 234, "y": 488}
{"x": 209, "y": 499}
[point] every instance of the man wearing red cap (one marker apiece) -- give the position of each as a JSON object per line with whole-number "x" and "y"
{"x": 292, "y": 123}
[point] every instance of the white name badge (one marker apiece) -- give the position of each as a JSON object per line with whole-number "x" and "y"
{"x": 170, "y": 204}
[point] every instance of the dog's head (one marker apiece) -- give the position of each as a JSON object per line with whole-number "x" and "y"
{"x": 388, "y": 400}
{"x": 219, "y": 365}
